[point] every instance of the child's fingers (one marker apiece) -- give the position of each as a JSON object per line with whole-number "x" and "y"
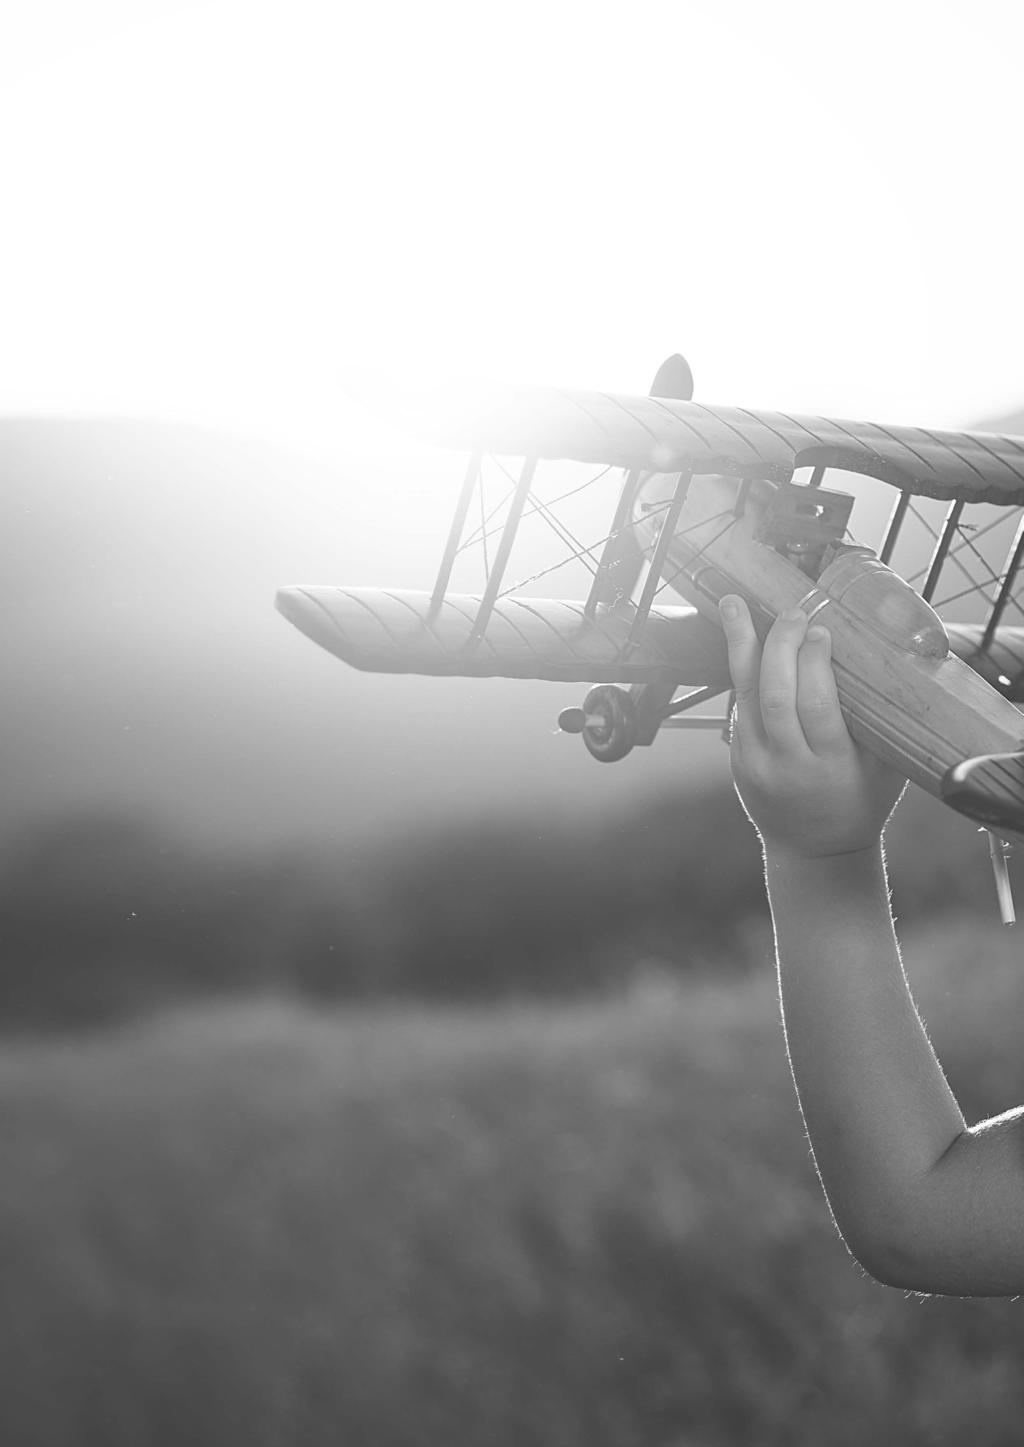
{"x": 779, "y": 675}
{"x": 817, "y": 701}
{"x": 744, "y": 664}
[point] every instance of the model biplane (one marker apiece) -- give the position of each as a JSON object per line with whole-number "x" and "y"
{"x": 716, "y": 500}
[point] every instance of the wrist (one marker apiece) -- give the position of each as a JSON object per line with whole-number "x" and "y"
{"x": 784, "y": 853}
{"x": 833, "y": 870}
{"x": 827, "y": 898}
{"x": 830, "y": 882}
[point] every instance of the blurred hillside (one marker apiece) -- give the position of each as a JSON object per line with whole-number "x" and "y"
{"x": 103, "y": 916}
{"x": 1009, "y": 422}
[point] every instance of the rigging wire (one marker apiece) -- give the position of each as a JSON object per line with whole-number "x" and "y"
{"x": 565, "y": 536}
{"x": 480, "y": 491}
{"x": 682, "y": 533}
{"x": 726, "y": 512}
{"x": 977, "y": 585}
{"x": 953, "y": 553}
{"x": 479, "y": 534}
{"x": 561, "y": 563}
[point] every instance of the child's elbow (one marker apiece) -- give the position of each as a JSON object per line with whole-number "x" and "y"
{"x": 892, "y": 1257}
{"x": 891, "y": 1267}
{"x": 882, "y": 1264}
{"x": 913, "y": 1259}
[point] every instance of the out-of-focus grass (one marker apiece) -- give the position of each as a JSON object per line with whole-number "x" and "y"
{"x": 587, "y": 1225}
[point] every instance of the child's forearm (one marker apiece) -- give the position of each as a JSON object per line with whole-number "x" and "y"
{"x": 878, "y": 1110}
{"x": 922, "y": 1201}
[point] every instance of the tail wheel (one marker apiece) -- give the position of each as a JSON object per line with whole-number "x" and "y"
{"x": 609, "y": 731}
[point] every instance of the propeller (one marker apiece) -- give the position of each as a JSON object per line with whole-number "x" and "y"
{"x": 673, "y": 379}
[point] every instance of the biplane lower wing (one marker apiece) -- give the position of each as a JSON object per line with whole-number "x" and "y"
{"x": 999, "y": 659}
{"x": 394, "y": 631}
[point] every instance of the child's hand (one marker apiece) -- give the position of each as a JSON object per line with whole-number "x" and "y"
{"x": 809, "y": 789}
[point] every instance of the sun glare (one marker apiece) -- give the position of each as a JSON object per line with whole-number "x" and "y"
{"x": 230, "y": 213}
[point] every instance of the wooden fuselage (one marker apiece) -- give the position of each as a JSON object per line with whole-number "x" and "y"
{"x": 904, "y": 694}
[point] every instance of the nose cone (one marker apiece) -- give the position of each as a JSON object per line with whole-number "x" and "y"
{"x": 989, "y": 789}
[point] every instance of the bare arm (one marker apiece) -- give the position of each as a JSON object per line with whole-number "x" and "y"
{"x": 922, "y": 1201}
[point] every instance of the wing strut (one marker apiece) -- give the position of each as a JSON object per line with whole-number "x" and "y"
{"x": 451, "y": 549}
{"x": 892, "y": 531}
{"x": 505, "y": 542}
{"x": 668, "y": 527}
{"x": 949, "y": 528}
{"x": 620, "y": 550}
{"x": 622, "y": 557}
{"x": 1013, "y": 562}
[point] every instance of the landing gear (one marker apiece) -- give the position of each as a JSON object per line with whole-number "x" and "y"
{"x": 613, "y": 721}
{"x": 607, "y": 722}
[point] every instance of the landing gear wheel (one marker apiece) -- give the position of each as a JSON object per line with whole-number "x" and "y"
{"x": 610, "y": 729}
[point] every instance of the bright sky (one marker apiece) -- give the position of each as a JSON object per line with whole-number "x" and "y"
{"x": 226, "y": 211}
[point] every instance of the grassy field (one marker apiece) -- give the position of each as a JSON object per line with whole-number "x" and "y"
{"x": 592, "y": 1225}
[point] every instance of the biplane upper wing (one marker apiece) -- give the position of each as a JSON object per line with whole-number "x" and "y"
{"x": 665, "y": 435}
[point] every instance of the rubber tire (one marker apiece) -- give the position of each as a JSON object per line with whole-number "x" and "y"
{"x": 616, "y": 735}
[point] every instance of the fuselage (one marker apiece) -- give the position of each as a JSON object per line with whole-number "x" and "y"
{"x": 904, "y": 693}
